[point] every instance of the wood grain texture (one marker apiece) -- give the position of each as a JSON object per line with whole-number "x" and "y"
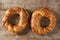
{"x": 30, "y": 5}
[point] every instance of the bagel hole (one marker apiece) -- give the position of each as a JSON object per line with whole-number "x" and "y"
{"x": 45, "y": 22}
{"x": 13, "y": 19}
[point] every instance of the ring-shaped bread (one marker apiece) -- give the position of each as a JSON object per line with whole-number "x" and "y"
{"x": 36, "y": 21}
{"x": 15, "y": 20}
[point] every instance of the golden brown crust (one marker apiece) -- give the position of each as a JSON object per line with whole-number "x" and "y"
{"x": 36, "y": 19}
{"x": 19, "y": 28}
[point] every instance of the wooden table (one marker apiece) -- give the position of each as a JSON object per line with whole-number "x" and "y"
{"x": 30, "y": 5}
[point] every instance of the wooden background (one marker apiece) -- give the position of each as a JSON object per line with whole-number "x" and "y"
{"x": 30, "y": 5}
